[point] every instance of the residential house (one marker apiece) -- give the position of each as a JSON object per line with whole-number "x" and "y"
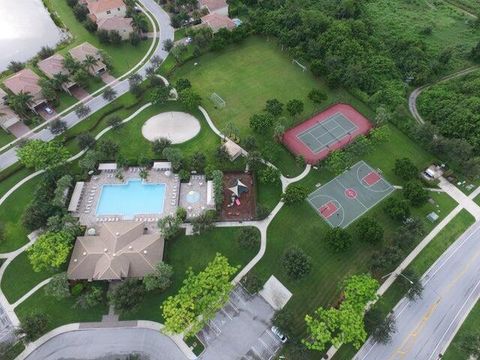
{"x": 216, "y": 22}
{"x": 7, "y": 115}
{"x": 104, "y": 9}
{"x": 81, "y": 52}
{"x": 122, "y": 25}
{"x": 54, "y": 65}
{"x": 26, "y": 81}
{"x": 120, "y": 250}
{"x": 214, "y": 6}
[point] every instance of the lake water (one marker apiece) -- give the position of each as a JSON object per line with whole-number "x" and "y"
{"x": 25, "y": 26}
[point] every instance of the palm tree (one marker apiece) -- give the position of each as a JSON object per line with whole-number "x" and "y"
{"x": 19, "y": 102}
{"x": 89, "y": 62}
{"x": 139, "y": 23}
{"x": 59, "y": 79}
{"x": 70, "y": 63}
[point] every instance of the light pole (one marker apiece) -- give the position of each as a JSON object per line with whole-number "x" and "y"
{"x": 399, "y": 274}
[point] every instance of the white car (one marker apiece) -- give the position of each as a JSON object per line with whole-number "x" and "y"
{"x": 48, "y": 110}
{"x": 279, "y": 334}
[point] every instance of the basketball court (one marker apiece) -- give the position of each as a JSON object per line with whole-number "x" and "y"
{"x": 327, "y": 131}
{"x": 350, "y": 195}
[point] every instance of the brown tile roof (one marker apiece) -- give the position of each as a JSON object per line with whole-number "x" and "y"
{"x": 25, "y": 80}
{"x": 81, "y": 51}
{"x": 120, "y": 250}
{"x": 116, "y": 23}
{"x": 213, "y": 5}
{"x": 100, "y": 6}
{"x": 216, "y": 21}
{"x": 53, "y": 65}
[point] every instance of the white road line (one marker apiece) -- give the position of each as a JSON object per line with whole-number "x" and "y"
{"x": 456, "y": 316}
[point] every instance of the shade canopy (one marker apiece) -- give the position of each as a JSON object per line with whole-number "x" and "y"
{"x": 239, "y": 188}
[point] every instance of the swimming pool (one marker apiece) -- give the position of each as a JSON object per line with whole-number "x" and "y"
{"x": 134, "y": 197}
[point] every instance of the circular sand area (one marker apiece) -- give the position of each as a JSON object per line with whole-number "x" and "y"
{"x": 174, "y": 125}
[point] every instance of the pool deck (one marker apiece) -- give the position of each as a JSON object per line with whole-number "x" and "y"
{"x": 197, "y": 184}
{"x": 92, "y": 191}
{"x": 175, "y": 196}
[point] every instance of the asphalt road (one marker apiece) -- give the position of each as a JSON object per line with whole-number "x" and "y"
{"x": 426, "y": 327}
{"x": 166, "y": 31}
{"x": 111, "y": 343}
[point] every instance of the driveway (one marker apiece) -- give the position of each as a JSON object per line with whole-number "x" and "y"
{"x": 108, "y": 343}
{"x": 79, "y": 93}
{"x": 7, "y": 331}
{"x": 241, "y": 330}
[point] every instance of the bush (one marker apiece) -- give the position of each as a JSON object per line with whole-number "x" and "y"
{"x": 127, "y": 296}
{"x": 338, "y": 239}
{"x": 269, "y": 175}
{"x": 294, "y": 193}
{"x": 160, "y": 278}
{"x": 369, "y": 230}
{"x": 77, "y": 289}
{"x": 86, "y": 140}
{"x": 203, "y": 222}
{"x": 414, "y": 192}
{"x": 284, "y": 320}
{"x": 317, "y": 96}
{"x": 405, "y": 169}
{"x": 397, "y": 209}
{"x": 252, "y": 283}
{"x": 93, "y": 296}
{"x": 249, "y": 238}
{"x": 160, "y": 144}
{"x": 296, "y": 263}
{"x": 45, "y": 52}
{"x": 183, "y": 84}
{"x": 115, "y": 122}
{"x": 33, "y": 326}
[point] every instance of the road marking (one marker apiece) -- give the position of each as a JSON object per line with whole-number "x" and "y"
{"x": 453, "y": 321}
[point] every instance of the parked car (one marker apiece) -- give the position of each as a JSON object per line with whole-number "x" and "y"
{"x": 279, "y": 334}
{"x": 48, "y": 110}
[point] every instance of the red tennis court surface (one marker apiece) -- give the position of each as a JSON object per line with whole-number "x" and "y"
{"x": 327, "y": 131}
{"x": 328, "y": 209}
{"x": 372, "y": 178}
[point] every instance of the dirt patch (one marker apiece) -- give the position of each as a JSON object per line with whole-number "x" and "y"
{"x": 246, "y": 209}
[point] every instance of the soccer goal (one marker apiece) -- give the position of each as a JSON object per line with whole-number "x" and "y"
{"x": 303, "y": 67}
{"x": 217, "y": 100}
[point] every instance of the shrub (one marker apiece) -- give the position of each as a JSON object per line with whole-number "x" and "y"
{"x": 397, "y": 209}
{"x": 317, "y": 96}
{"x": 338, "y": 239}
{"x": 160, "y": 278}
{"x": 33, "y": 326}
{"x": 252, "y": 283}
{"x": 294, "y": 193}
{"x": 296, "y": 263}
{"x": 405, "y": 169}
{"x": 249, "y": 238}
{"x": 160, "y": 144}
{"x": 368, "y": 229}
{"x": 127, "y": 297}
{"x": 414, "y": 192}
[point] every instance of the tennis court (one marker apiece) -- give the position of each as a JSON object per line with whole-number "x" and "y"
{"x": 350, "y": 195}
{"x": 327, "y": 131}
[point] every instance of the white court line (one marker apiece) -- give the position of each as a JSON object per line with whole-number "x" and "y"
{"x": 356, "y": 199}
{"x": 226, "y": 314}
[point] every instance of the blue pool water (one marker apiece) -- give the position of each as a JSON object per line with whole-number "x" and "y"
{"x": 132, "y": 198}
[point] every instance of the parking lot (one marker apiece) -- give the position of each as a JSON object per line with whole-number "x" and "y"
{"x": 240, "y": 330}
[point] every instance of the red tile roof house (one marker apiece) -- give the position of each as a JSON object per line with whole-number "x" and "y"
{"x": 120, "y": 24}
{"x": 104, "y": 9}
{"x": 81, "y": 52}
{"x": 7, "y": 116}
{"x": 216, "y": 22}
{"x": 26, "y": 81}
{"x": 54, "y": 65}
{"x": 214, "y": 6}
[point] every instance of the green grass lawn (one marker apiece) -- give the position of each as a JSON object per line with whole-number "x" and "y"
{"x": 450, "y": 28}
{"x": 245, "y": 76}
{"x": 195, "y": 252}
{"x": 124, "y": 56}
{"x": 11, "y": 216}
{"x": 59, "y": 312}
{"x": 5, "y": 137}
{"x": 420, "y": 265}
{"x": 13, "y": 351}
{"x": 19, "y": 278}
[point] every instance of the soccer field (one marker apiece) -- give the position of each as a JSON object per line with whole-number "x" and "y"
{"x": 245, "y": 76}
